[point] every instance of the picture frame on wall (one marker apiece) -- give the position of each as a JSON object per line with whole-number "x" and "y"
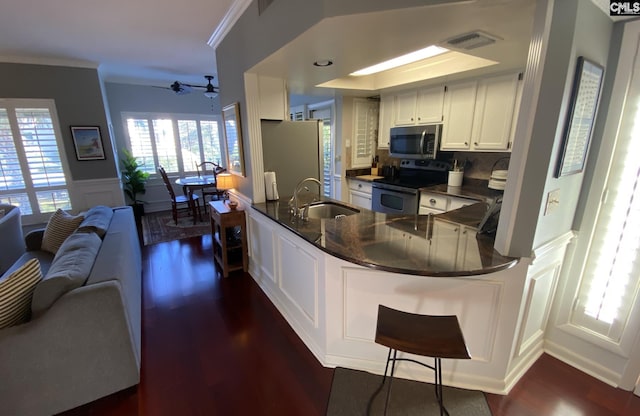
{"x": 578, "y": 129}
{"x": 87, "y": 142}
{"x": 233, "y": 139}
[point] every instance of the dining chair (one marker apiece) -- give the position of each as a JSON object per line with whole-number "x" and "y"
{"x": 178, "y": 200}
{"x": 213, "y": 169}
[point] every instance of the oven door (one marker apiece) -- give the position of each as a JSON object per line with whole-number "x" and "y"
{"x": 394, "y": 200}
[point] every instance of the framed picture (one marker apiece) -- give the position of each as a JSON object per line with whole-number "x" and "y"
{"x": 233, "y": 138}
{"x": 87, "y": 142}
{"x": 582, "y": 111}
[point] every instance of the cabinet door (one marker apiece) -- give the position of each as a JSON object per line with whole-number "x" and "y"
{"x": 429, "y": 105}
{"x": 444, "y": 244}
{"x": 494, "y": 112}
{"x": 459, "y": 104}
{"x": 386, "y": 120}
{"x": 468, "y": 251}
{"x": 455, "y": 203}
{"x": 360, "y": 199}
{"x": 405, "y": 109}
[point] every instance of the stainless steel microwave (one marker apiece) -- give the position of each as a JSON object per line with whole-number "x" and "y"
{"x": 415, "y": 142}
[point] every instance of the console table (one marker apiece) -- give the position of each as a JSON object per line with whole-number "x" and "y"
{"x": 229, "y": 237}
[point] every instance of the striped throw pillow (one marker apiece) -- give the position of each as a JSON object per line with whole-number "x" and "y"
{"x": 16, "y": 292}
{"x": 60, "y": 226}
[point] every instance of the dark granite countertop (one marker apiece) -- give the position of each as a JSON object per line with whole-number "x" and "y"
{"x": 394, "y": 243}
{"x": 477, "y": 190}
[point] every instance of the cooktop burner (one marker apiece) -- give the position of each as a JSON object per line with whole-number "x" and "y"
{"x": 416, "y": 174}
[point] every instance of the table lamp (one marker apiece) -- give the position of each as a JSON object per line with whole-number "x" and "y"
{"x": 224, "y": 182}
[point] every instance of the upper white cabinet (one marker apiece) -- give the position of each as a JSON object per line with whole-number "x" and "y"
{"x": 493, "y": 116}
{"x": 385, "y": 120}
{"x": 418, "y": 107}
{"x": 479, "y": 115}
{"x": 274, "y": 101}
{"x": 459, "y": 105}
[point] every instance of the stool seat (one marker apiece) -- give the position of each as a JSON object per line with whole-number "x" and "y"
{"x": 426, "y": 335}
{"x": 432, "y": 336}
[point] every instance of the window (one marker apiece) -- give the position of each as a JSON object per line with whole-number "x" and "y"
{"x": 32, "y": 174}
{"x": 611, "y": 271}
{"x": 178, "y": 143}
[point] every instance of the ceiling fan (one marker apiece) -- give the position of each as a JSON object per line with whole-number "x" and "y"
{"x": 181, "y": 88}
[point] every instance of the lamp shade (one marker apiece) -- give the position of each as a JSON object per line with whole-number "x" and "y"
{"x": 224, "y": 181}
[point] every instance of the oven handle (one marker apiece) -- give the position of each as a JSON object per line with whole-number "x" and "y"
{"x": 397, "y": 191}
{"x": 424, "y": 132}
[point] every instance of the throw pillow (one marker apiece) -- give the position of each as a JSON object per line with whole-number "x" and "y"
{"x": 60, "y": 226}
{"x": 16, "y": 292}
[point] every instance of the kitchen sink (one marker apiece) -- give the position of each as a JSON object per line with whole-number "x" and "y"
{"x": 320, "y": 210}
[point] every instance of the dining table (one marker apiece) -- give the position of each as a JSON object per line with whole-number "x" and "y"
{"x": 190, "y": 184}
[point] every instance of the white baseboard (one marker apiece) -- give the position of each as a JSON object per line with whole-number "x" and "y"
{"x": 594, "y": 369}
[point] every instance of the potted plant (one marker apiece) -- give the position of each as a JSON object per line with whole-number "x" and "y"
{"x": 134, "y": 180}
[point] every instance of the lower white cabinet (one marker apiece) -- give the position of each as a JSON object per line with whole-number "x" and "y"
{"x": 454, "y": 245}
{"x": 360, "y": 193}
{"x": 432, "y": 203}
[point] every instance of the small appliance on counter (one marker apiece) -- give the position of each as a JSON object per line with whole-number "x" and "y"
{"x": 271, "y": 186}
{"x": 498, "y": 179}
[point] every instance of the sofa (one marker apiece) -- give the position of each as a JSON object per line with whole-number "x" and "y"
{"x": 82, "y": 338}
{"x": 11, "y": 237}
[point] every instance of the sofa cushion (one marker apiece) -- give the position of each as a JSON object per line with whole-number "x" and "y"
{"x": 97, "y": 220}
{"x": 59, "y": 227}
{"x": 70, "y": 269}
{"x": 16, "y": 291}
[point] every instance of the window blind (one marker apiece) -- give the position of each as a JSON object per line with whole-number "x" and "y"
{"x": 611, "y": 272}
{"x": 32, "y": 174}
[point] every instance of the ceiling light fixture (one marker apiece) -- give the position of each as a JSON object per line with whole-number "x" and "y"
{"x": 211, "y": 91}
{"x": 323, "y": 63}
{"x": 415, "y": 56}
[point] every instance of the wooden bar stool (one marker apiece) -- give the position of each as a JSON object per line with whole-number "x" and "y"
{"x": 425, "y": 335}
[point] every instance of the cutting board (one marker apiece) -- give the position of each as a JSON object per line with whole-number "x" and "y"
{"x": 368, "y": 177}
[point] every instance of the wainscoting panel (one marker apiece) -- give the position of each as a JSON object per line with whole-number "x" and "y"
{"x": 89, "y": 193}
{"x": 299, "y": 278}
{"x": 262, "y": 242}
{"x": 475, "y": 302}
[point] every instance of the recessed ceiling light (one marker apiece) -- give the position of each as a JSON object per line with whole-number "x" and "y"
{"x": 425, "y": 53}
{"x": 323, "y": 62}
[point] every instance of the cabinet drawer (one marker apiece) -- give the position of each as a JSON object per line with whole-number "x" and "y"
{"x": 433, "y": 201}
{"x": 361, "y": 186}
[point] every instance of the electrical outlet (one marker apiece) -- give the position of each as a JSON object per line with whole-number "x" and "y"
{"x": 553, "y": 201}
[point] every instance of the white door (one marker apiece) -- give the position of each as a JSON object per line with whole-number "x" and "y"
{"x": 325, "y": 113}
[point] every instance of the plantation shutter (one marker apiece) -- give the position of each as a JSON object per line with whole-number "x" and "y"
{"x": 611, "y": 272}
{"x": 365, "y": 132}
{"x": 32, "y": 175}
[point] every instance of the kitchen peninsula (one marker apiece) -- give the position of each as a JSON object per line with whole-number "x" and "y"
{"x": 328, "y": 276}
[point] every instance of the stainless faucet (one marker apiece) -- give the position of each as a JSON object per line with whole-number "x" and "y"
{"x": 293, "y": 202}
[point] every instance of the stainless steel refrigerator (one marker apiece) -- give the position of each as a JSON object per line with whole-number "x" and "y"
{"x": 293, "y": 150}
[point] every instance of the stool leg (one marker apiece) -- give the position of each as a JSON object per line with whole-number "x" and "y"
{"x": 393, "y": 368}
{"x": 438, "y": 382}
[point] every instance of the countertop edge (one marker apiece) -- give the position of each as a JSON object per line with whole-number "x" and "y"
{"x": 464, "y": 273}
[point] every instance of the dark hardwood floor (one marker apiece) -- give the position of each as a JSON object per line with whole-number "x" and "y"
{"x": 214, "y": 346}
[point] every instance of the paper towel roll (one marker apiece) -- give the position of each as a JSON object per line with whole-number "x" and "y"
{"x": 271, "y": 186}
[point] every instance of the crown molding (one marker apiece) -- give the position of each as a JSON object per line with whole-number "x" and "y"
{"x": 32, "y": 60}
{"x": 230, "y": 18}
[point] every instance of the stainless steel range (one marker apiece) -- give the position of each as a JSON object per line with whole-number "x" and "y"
{"x": 401, "y": 194}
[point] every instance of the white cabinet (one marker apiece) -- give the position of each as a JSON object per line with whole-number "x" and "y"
{"x": 494, "y": 113}
{"x": 459, "y": 106}
{"x": 365, "y": 132}
{"x": 274, "y": 101}
{"x": 430, "y": 105}
{"x": 385, "y": 120}
{"x": 454, "y": 246}
{"x": 418, "y": 107}
{"x": 432, "y": 203}
{"x": 360, "y": 193}
{"x": 480, "y": 115}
